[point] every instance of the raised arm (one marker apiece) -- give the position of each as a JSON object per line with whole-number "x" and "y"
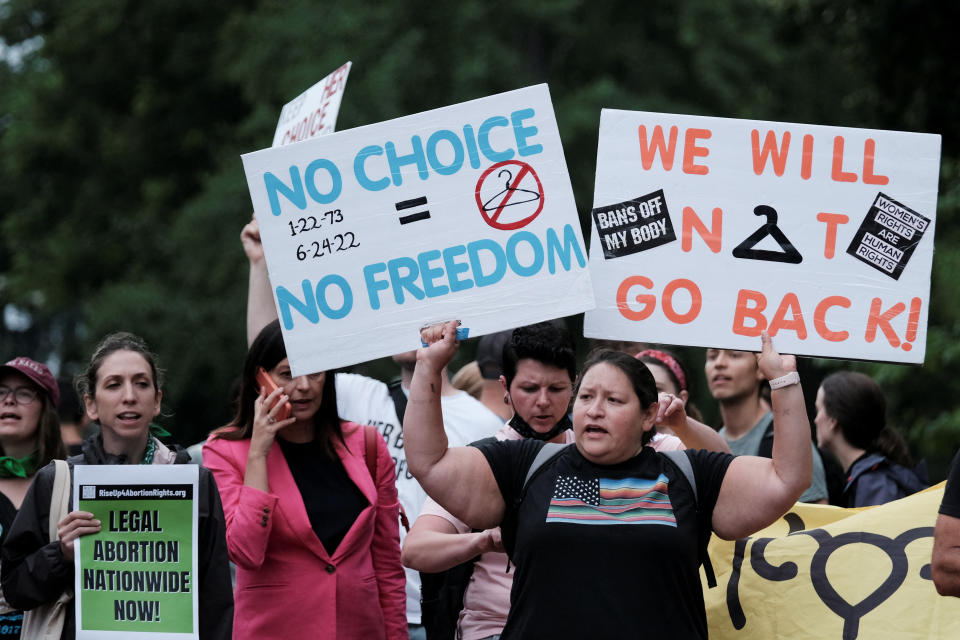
{"x": 756, "y": 491}
{"x": 458, "y": 478}
{"x": 260, "y": 308}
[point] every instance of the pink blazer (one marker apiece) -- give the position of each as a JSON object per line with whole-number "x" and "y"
{"x": 287, "y": 585}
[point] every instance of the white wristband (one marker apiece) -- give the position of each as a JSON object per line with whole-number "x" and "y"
{"x": 785, "y": 381}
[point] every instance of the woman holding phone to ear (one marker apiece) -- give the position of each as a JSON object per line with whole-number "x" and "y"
{"x": 314, "y": 535}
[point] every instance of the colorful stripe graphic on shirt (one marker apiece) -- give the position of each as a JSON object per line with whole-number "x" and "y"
{"x": 611, "y": 501}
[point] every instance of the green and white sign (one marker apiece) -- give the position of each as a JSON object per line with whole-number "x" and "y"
{"x": 138, "y": 577}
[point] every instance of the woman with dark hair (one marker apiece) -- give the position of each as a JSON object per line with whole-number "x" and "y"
{"x": 607, "y": 477}
{"x": 851, "y": 424}
{"x": 314, "y": 536}
{"x": 29, "y": 439}
{"x": 121, "y": 392}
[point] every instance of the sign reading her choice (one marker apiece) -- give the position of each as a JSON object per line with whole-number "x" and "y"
{"x": 464, "y": 212}
{"x": 137, "y": 577}
{"x": 314, "y": 112}
{"x": 822, "y": 236}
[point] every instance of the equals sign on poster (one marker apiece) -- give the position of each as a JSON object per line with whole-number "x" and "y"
{"x": 410, "y": 204}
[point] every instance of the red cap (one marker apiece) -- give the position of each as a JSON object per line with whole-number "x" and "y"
{"x": 39, "y": 373}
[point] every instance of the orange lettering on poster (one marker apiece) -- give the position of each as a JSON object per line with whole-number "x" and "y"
{"x": 691, "y": 222}
{"x": 648, "y": 302}
{"x": 777, "y": 155}
{"x": 832, "y": 220}
{"x": 820, "y": 318}
{"x": 657, "y": 144}
{"x": 806, "y": 165}
{"x": 789, "y": 305}
{"x": 838, "y": 173}
{"x": 750, "y": 306}
{"x": 869, "y": 154}
{"x": 691, "y": 151}
{"x": 696, "y": 301}
{"x": 879, "y": 319}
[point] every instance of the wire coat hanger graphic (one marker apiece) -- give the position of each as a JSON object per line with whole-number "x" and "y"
{"x": 746, "y": 248}
{"x": 506, "y": 193}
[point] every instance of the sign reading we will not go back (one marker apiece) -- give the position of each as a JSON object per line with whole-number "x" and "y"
{"x": 707, "y": 231}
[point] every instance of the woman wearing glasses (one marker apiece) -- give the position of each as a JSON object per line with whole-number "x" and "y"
{"x": 29, "y": 439}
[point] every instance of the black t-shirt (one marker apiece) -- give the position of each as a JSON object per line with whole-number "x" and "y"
{"x": 332, "y": 500}
{"x": 950, "y": 506}
{"x": 10, "y": 623}
{"x": 605, "y": 551}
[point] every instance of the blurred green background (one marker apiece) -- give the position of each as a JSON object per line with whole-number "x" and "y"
{"x": 121, "y": 125}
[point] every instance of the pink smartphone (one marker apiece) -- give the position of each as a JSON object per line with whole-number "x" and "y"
{"x": 267, "y": 383}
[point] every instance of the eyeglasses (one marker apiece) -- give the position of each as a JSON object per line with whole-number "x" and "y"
{"x": 21, "y": 395}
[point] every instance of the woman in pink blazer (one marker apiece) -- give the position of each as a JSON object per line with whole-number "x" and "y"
{"x": 314, "y": 537}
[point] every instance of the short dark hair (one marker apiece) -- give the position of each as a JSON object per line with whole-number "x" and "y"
{"x": 546, "y": 342}
{"x": 266, "y": 351}
{"x": 642, "y": 381}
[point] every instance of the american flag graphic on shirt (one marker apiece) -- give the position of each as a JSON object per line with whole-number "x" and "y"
{"x": 611, "y": 501}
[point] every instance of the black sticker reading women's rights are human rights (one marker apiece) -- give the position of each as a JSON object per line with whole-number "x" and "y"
{"x": 888, "y": 235}
{"x": 635, "y": 225}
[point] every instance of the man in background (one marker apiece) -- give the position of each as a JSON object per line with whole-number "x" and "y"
{"x": 735, "y": 382}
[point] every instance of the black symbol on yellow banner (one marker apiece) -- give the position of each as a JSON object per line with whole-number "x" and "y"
{"x": 851, "y": 614}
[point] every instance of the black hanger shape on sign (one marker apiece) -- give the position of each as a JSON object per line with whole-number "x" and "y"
{"x": 746, "y": 248}
{"x": 506, "y": 193}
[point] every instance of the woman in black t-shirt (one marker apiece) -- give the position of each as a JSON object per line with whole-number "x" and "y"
{"x": 576, "y": 579}
{"x": 29, "y": 439}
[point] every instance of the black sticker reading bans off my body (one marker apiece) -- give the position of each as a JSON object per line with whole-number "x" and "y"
{"x": 635, "y": 225}
{"x": 888, "y": 235}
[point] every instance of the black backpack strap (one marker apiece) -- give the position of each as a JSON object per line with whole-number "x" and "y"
{"x": 681, "y": 461}
{"x": 399, "y": 400}
{"x": 548, "y": 452}
{"x": 765, "y": 450}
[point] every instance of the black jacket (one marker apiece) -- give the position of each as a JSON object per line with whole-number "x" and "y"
{"x": 33, "y": 571}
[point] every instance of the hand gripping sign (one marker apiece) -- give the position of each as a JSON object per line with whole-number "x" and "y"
{"x": 137, "y": 577}
{"x": 706, "y": 231}
{"x": 463, "y": 212}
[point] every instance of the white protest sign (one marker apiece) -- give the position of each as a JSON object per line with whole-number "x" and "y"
{"x": 314, "y": 112}
{"x": 708, "y": 230}
{"x": 464, "y": 212}
{"x": 137, "y": 577}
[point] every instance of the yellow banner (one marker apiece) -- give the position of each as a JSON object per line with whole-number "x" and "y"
{"x": 826, "y": 572}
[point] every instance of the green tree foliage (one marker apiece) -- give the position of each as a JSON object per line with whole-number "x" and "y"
{"x": 122, "y": 125}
